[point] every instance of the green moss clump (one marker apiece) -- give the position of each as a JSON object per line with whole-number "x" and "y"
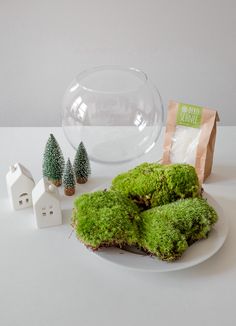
{"x": 168, "y": 230}
{"x": 105, "y": 218}
{"x": 155, "y": 207}
{"x": 152, "y": 184}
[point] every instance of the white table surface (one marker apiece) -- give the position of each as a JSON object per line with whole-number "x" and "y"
{"x": 47, "y": 278}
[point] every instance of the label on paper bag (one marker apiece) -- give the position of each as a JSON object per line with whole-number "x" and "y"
{"x": 189, "y": 115}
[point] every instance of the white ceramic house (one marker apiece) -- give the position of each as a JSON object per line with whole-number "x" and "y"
{"x": 20, "y": 184}
{"x": 46, "y": 204}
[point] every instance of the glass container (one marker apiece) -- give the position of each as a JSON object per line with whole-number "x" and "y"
{"x": 117, "y": 112}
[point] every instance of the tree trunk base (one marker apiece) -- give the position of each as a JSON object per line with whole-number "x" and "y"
{"x": 82, "y": 180}
{"x": 69, "y": 191}
{"x": 56, "y": 183}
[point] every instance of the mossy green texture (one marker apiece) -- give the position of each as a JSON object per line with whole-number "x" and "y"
{"x": 152, "y": 184}
{"x": 105, "y": 218}
{"x": 167, "y": 231}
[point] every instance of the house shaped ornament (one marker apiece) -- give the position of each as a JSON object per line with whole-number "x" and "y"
{"x": 20, "y": 184}
{"x": 46, "y": 204}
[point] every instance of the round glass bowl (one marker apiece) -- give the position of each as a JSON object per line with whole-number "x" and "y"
{"x": 117, "y": 113}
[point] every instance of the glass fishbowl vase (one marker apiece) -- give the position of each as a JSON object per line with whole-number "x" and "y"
{"x": 116, "y": 112}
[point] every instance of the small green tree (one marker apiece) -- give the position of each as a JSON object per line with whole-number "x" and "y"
{"x": 69, "y": 179}
{"x": 53, "y": 161}
{"x": 81, "y": 164}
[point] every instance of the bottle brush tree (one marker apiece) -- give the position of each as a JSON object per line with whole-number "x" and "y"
{"x": 81, "y": 164}
{"x": 53, "y": 161}
{"x": 69, "y": 179}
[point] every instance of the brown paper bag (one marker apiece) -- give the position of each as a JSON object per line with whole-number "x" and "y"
{"x": 190, "y": 137}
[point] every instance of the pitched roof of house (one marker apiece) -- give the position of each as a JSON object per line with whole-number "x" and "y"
{"x": 16, "y": 171}
{"x": 42, "y": 187}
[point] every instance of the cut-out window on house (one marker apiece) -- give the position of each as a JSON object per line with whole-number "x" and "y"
{"x": 51, "y": 212}
{"x": 20, "y": 202}
{"x": 24, "y": 194}
{"x": 44, "y": 213}
{"x": 27, "y": 200}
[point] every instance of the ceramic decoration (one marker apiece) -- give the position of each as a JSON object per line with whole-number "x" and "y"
{"x": 20, "y": 184}
{"x": 46, "y": 204}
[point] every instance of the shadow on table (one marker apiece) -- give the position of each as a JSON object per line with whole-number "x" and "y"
{"x": 95, "y": 183}
{"x": 222, "y": 173}
{"x": 66, "y": 216}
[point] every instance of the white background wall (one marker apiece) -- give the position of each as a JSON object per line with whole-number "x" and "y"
{"x": 188, "y": 48}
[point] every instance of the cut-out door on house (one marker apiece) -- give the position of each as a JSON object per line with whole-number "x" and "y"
{"x": 24, "y": 199}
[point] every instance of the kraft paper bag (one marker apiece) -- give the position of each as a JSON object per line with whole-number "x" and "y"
{"x": 190, "y": 137}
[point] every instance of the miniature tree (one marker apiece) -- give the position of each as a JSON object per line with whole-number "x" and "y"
{"x": 53, "y": 161}
{"x": 81, "y": 164}
{"x": 69, "y": 179}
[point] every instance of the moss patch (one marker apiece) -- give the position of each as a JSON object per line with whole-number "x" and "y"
{"x": 152, "y": 184}
{"x": 105, "y": 218}
{"x": 168, "y": 230}
{"x": 156, "y": 207}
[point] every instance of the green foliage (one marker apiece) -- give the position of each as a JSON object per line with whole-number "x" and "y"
{"x": 53, "y": 160}
{"x": 168, "y": 230}
{"x": 69, "y": 176}
{"x": 105, "y": 218}
{"x": 117, "y": 217}
{"x": 81, "y": 163}
{"x": 151, "y": 184}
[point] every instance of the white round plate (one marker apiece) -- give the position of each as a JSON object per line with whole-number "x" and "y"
{"x": 195, "y": 254}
